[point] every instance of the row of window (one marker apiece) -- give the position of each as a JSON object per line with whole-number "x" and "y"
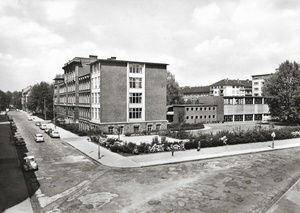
{"x": 200, "y": 117}
{"x": 135, "y": 82}
{"x": 200, "y": 108}
{"x": 248, "y": 117}
{"x": 135, "y": 113}
{"x": 240, "y": 101}
{"x": 96, "y": 82}
{"x": 135, "y": 98}
{"x": 96, "y": 98}
{"x": 96, "y": 68}
{"x": 135, "y": 68}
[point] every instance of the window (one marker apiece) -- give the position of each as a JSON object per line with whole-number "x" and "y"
{"x": 149, "y": 128}
{"x": 110, "y": 129}
{"x": 135, "y": 82}
{"x": 135, "y": 113}
{"x": 135, "y": 98}
{"x": 187, "y": 117}
{"x": 135, "y": 68}
{"x": 192, "y": 109}
{"x": 158, "y": 126}
{"x": 136, "y": 129}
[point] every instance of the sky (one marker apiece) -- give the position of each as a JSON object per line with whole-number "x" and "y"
{"x": 203, "y": 41}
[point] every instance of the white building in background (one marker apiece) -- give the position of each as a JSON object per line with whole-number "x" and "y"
{"x": 258, "y": 82}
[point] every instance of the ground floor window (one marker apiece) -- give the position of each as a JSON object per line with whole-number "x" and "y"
{"x": 249, "y": 117}
{"x": 158, "y": 126}
{"x": 149, "y": 128}
{"x": 258, "y": 117}
{"x": 111, "y": 129}
{"x": 228, "y": 118}
{"x": 136, "y": 129}
{"x": 238, "y": 118}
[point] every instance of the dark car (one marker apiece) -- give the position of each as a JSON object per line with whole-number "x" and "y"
{"x": 20, "y": 142}
{"x": 38, "y": 123}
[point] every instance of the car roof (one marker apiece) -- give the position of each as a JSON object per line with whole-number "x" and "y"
{"x": 38, "y": 134}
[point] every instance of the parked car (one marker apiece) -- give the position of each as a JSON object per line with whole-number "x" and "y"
{"x": 16, "y": 135}
{"x": 20, "y": 142}
{"x": 29, "y": 118}
{"x": 39, "y": 138}
{"x": 30, "y": 163}
{"x": 38, "y": 123}
{"x": 43, "y": 126}
{"x": 48, "y": 130}
{"x": 54, "y": 134}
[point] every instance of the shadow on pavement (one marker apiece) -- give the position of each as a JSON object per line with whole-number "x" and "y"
{"x": 16, "y": 185}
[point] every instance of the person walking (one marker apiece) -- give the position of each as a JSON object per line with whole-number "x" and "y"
{"x": 199, "y": 146}
{"x": 172, "y": 149}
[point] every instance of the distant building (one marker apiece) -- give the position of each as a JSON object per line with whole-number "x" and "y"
{"x": 24, "y": 99}
{"x": 209, "y": 110}
{"x": 194, "y": 93}
{"x": 258, "y": 83}
{"x": 113, "y": 95}
{"x": 227, "y": 87}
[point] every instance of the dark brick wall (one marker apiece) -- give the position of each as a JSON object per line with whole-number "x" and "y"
{"x": 155, "y": 92}
{"x": 113, "y": 92}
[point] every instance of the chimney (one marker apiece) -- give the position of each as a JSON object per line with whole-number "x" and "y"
{"x": 112, "y": 58}
{"x": 93, "y": 58}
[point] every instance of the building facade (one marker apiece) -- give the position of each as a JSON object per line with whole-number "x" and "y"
{"x": 227, "y": 87}
{"x": 112, "y": 95}
{"x": 24, "y": 99}
{"x": 258, "y": 83}
{"x": 210, "y": 110}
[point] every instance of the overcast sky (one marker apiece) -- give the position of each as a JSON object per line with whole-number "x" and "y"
{"x": 204, "y": 41}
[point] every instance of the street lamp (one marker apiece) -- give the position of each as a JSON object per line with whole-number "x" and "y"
{"x": 98, "y": 142}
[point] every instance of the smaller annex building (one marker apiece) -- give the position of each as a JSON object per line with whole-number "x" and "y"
{"x": 214, "y": 109}
{"x": 209, "y": 110}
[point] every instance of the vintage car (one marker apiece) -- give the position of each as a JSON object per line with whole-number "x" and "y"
{"x": 16, "y": 135}
{"x": 29, "y": 163}
{"x": 38, "y": 123}
{"x": 48, "y": 130}
{"x": 43, "y": 126}
{"x": 39, "y": 138}
{"x": 54, "y": 134}
{"x": 20, "y": 142}
{"x": 29, "y": 118}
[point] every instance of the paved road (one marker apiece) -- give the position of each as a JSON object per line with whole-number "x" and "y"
{"x": 68, "y": 181}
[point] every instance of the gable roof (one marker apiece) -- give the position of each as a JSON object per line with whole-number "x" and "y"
{"x": 194, "y": 90}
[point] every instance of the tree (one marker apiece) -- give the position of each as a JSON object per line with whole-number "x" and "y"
{"x": 3, "y": 101}
{"x": 283, "y": 90}
{"x": 174, "y": 95}
{"x": 41, "y": 98}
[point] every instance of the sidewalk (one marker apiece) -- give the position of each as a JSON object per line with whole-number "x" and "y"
{"x": 289, "y": 202}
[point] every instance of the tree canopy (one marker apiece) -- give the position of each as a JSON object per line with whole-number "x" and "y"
{"x": 174, "y": 95}
{"x": 283, "y": 90}
{"x": 41, "y": 98}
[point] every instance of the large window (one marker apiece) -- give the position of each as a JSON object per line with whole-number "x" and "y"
{"x": 135, "y": 68}
{"x": 135, "y": 113}
{"x": 135, "y": 82}
{"x": 135, "y": 98}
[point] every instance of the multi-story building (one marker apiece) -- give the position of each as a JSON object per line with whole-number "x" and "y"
{"x": 71, "y": 88}
{"x": 113, "y": 95}
{"x": 245, "y": 109}
{"x": 227, "y": 87}
{"x": 128, "y": 95}
{"x": 258, "y": 83}
{"x": 209, "y": 110}
{"x": 24, "y": 99}
{"x": 192, "y": 94}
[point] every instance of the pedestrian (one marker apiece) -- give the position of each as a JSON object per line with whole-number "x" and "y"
{"x": 199, "y": 146}
{"x": 172, "y": 149}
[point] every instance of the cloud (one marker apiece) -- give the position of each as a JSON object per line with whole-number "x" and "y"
{"x": 214, "y": 47}
{"x": 60, "y": 10}
{"x": 28, "y": 31}
{"x": 205, "y": 16}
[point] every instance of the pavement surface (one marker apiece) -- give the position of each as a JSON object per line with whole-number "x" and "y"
{"x": 289, "y": 202}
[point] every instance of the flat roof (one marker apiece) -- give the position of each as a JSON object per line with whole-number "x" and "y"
{"x": 124, "y": 61}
